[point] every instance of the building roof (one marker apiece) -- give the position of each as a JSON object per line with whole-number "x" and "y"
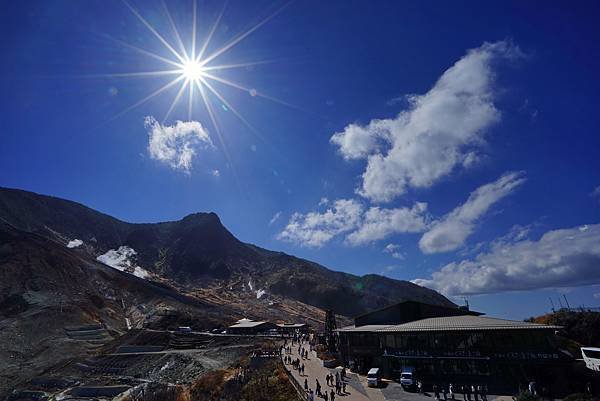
{"x": 365, "y": 328}
{"x": 462, "y": 323}
{"x": 246, "y": 324}
{"x": 410, "y": 301}
{"x": 292, "y": 325}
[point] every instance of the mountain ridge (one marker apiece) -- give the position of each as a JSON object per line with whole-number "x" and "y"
{"x": 198, "y": 251}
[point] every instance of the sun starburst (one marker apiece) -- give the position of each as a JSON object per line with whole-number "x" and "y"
{"x": 192, "y": 68}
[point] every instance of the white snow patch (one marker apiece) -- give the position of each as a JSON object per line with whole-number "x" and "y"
{"x": 250, "y": 285}
{"x": 141, "y": 273}
{"x": 123, "y": 259}
{"x": 260, "y": 293}
{"x": 74, "y": 243}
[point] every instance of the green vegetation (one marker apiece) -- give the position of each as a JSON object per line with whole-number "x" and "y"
{"x": 581, "y": 327}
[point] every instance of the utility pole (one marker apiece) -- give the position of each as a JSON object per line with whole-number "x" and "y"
{"x": 567, "y": 302}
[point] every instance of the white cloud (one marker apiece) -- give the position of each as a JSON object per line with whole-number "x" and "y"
{"x": 215, "y": 173}
{"x": 324, "y": 201}
{"x": 441, "y": 130}
{"x": 597, "y": 295}
{"x": 349, "y": 216}
{"x": 560, "y": 258}
{"x": 596, "y": 192}
{"x": 314, "y": 229}
{"x": 275, "y": 217}
{"x": 176, "y": 145}
{"x": 74, "y": 243}
{"x": 379, "y": 223}
{"x": 452, "y": 230}
{"x": 394, "y": 251}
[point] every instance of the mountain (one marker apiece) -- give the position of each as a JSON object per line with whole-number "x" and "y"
{"x": 47, "y": 291}
{"x": 198, "y": 252}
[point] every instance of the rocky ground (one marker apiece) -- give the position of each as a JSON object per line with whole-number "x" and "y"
{"x": 135, "y": 360}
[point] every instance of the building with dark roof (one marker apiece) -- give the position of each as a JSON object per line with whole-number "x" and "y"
{"x": 408, "y": 311}
{"x": 453, "y": 346}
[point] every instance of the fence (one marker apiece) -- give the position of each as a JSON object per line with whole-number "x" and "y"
{"x": 301, "y": 392}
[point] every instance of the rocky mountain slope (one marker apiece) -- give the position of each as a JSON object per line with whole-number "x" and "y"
{"x": 199, "y": 252}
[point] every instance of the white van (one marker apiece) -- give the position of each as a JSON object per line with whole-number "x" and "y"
{"x": 591, "y": 356}
{"x": 374, "y": 377}
{"x": 407, "y": 378}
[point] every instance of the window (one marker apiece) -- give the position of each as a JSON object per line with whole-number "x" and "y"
{"x": 591, "y": 353}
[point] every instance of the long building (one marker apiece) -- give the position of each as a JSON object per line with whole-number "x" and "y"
{"x": 453, "y": 345}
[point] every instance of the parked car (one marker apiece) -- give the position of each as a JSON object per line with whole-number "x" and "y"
{"x": 374, "y": 377}
{"x": 407, "y": 378}
{"x": 184, "y": 329}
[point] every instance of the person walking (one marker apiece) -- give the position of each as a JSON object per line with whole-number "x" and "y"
{"x": 305, "y": 385}
{"x": 532, "y": 389}
{"x": 451, "y": 391}
{"x": 325, "y": 396}
{"x": 436, "y": 391}
{"x": 318, "y": 387}
{"x": 332, "y": 395}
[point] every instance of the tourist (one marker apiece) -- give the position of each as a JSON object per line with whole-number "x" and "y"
{"x": 318, "y": 387}
{"x": 305, "y": 384}
{"x": 344, "y": 387}
{"x": 445, "y": 392}
{"x": 475, "y": 392}
{"x": 532, "y": 389}
{"x": 436, "y": 392}
{"x": 327, "y": 379}
{"x": 332, "y": 395}
{"x": 468, "y": 391}
{"x": 420, "y": 386}
{"x": 325, "y": 396}
{"x": 311, "y": 395}
{"x": 484, "y": 392}
{"x": 451, "y": 391}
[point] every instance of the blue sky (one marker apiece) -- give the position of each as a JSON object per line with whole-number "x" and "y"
{"x": 454, "y": 144}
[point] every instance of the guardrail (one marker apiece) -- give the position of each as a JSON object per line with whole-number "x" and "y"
{"x": 299, "y": 389}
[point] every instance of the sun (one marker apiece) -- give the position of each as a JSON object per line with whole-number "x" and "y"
{"x": 192, "y": 70}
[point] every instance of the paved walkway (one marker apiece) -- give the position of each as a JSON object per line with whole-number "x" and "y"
{"x": 356, "y": 386}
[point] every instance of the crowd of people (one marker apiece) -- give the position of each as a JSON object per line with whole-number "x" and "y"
{"x": 336, "y": 383}
{"x": 470, "y": 392}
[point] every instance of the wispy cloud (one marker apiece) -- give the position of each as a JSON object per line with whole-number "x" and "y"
{"x": 596, "y": 192}
{"x": 275, "y": 217}
{"x": 379, "y": 223}
{"x": 394, "y": 251}
{"x": 441, "y": 130}
{"x": 314, "y": 229}
{"x": 360, "y": 225}
{"x": 176, "y": 145}
{"x": 560, "y": 258}
{"x": 451, "y": 232}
